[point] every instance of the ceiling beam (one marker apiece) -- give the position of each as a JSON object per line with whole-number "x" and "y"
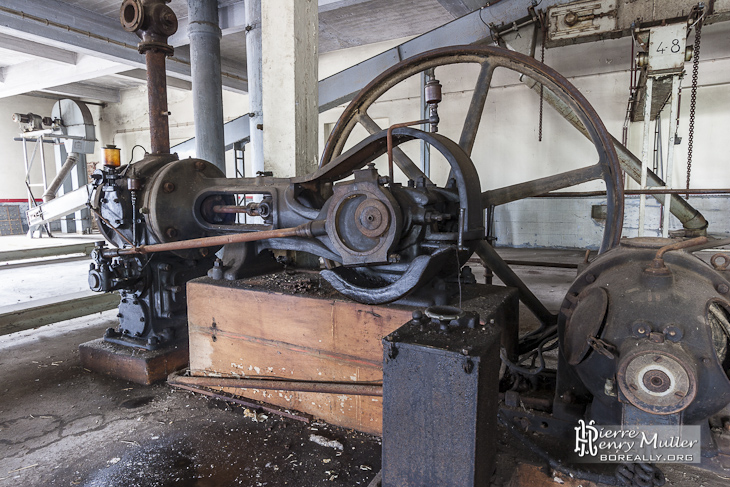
{"x": 141, "y": 76}
{"x": 34, "y": 76}
{"x": 327, "y": 5}
{"x": 231, "y": 19}
{"x": 71, "y": 28}
{"x": 86, "y": 91}
{"x": 38, "y": 50}
{"x": 459, "y": 8}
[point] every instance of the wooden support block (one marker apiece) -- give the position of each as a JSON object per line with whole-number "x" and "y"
{"x": 299, "y": 329}
{"x": 239, "y": 330}
{"x": 133, "y": 364}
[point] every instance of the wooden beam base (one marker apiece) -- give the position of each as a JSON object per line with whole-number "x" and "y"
{"x": 297, "y": 328}
{"x": 40, "y": 312}
{"x": 528, "y": 475}
{"x": 133, "y": 364}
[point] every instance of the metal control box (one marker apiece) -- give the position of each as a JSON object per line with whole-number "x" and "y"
{"x": 440, "y": 398}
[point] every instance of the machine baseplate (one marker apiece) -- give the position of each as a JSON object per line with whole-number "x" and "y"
{"x": 131, "y": 363}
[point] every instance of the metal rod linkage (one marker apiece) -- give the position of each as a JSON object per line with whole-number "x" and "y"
{"x": 272, "y": 384}
{"x": 306, "y": 230}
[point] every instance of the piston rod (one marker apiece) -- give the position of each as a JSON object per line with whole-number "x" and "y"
{"x": 307, "y": 230}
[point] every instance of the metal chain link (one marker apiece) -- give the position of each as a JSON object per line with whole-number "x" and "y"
{"x": 693, "y": 99}
{"x": 542, "y": 87}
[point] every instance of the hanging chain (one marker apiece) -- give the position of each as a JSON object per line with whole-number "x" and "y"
{"x": 542, "y": 87}
{"x": 693, "y": 99}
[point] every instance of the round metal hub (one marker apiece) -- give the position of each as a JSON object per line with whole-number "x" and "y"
{"x": 372, "y": 218}
{"x": 657, "y": 382}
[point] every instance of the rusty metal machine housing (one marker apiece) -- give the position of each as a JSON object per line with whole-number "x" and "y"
{"x": 647, "y": 337}
{"x": 642, "y": 339}
{"x": 366, "y": 224}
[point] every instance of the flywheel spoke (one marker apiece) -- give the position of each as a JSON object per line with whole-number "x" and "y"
{"x": 536, "y": 187}
{"x": 476, "y": 108}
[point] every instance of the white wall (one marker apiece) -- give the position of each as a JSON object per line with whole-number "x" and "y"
{"x": 126, "y": 124}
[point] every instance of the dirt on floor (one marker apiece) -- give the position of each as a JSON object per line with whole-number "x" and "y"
{"x": 63, "y": 425}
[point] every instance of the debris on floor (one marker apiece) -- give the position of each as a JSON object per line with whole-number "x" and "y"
{"x": 321, "y": 440}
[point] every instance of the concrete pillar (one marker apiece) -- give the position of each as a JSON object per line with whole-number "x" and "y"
{"x": 205, "y": 60}
{"x": 253, "y": 67}
{"x": 289, "y": 75}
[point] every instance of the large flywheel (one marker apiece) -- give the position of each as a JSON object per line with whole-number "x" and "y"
{"x": 489, "y": 59}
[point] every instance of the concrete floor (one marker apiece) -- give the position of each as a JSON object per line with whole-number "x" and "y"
{"x": 63, "y": 425}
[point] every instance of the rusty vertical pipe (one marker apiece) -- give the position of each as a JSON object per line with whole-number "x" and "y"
{"x": 153, "y": 22}
{"x": 157, "y": 99}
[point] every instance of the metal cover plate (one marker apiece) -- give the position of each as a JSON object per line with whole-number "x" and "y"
{"x": 666, "y": 47}
{"x": 585, "y": 322}
{"x": 580, "y": 19}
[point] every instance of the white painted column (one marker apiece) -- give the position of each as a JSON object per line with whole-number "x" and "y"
{"x": 205, "y": 69}
{"x": 670, "y": 152}
{"x": 289, "y": 79}
{"x": 253, "y": 65}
